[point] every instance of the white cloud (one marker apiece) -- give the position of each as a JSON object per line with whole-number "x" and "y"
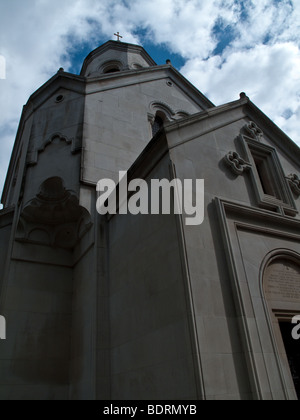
{"x": 264, "y": 20}
{"x": 267, "y": 73}
{"x": 261, "y": 55}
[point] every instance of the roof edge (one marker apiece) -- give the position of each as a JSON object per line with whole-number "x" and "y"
{"x": 276, "y": 134}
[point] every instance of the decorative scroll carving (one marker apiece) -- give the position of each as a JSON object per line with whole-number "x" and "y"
{"x": 237, "y": 164}
{"x": 254, "y": 131}
{"x": 294, "y": 182}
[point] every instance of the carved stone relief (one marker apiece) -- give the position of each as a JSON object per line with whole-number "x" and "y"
{"x": 294, "y": 182}
{"x": 236, "y": 163}
{"x": 254, "y": 131}
{"x": 54, "y": 217}
{"x": 32, "y": 157}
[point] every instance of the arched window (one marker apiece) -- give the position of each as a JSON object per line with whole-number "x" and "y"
{"x": 157, "y": 125}
{"x": 281, "y": 286}
{"x": 112, "y": 66}
{"x": 112, "y": 70}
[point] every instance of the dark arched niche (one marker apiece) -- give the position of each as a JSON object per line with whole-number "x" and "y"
{"x": 281, "y": 289}
{"x": 54, "y": 217}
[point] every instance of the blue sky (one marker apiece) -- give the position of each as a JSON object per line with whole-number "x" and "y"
{"x": 223, "y": 47}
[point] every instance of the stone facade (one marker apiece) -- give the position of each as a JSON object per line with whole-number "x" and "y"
{"x": 145, "y": 307}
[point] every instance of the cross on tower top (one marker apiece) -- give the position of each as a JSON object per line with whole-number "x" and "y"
{"x": 118, "y": 36}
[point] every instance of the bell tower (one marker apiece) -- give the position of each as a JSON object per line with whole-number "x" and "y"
{"x": 144, "y": 306}
{"x": 115, "y": 56}
{"x": 74, "y": 130}
{"x": 125, "y": 89}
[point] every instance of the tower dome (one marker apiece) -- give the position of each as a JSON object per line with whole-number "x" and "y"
{"x": 115, "y": 56}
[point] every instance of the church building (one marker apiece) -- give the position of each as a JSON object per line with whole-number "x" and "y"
{"x": 137, "y": 306}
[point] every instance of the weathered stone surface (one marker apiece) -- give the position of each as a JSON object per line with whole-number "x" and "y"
{"x": 146, "y": 307}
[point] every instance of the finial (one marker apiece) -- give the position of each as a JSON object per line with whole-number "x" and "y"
{"x": 243, "y": 95}
{"x": 118, "y": 36}
{"x": 168, "y": 62}
{"x": 61, "y": 70}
